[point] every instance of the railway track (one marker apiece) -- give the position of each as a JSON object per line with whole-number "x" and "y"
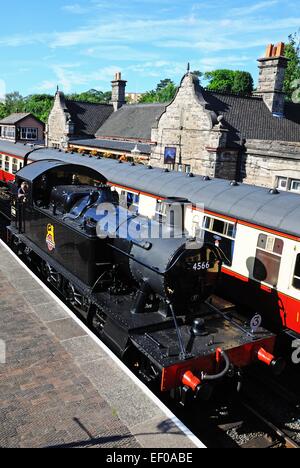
{"x": 276, "y": 437}
{"x": 238, "y": 424}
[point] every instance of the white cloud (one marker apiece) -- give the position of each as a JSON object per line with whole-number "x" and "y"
{"x": 249, "y": 9}
{"x": 75, "y": 9}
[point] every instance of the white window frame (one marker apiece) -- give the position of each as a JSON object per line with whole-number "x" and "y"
{"x": 8, "y": 131}
{"x": 227, "y": 224}
{"x": 295, "y": 181}
{"x": 28, "y": 131}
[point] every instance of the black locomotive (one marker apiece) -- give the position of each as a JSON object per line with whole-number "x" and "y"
{"x": 142, "y": 284}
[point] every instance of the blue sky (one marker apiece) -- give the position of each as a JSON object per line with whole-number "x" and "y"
{"x": 80, "y": 45}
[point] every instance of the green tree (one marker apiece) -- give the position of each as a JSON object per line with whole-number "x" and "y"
{"x": 165, "y": 92}
{"x": 93, "y": 96}
{"x": 243, "y": 83}
{"x": 197, "y": 73}
{"x": 292, "y": 52}
{"x": 2, "y": 110}
{"x": 14, "y": 102}
{"x": 163, "y": 84}
{"x": 39, "y": 105}
{"x": 220, "y": 80}
{"x": 230, "y": 81}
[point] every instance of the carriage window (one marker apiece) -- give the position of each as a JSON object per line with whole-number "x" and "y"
{"x": 296, "y": 280}
{"x": 161, "y": 211}
{"x": 268, "y": 259}
{"x": 223, "y": 232}
{"x": 15, "y": 166}
{"x": 6, "y": 167}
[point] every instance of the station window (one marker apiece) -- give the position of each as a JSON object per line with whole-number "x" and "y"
{"x": 268, "y": 259}
{"x": 8, "y": 132}
{"x": 296, "y": 279}
{"x": 295, "y": 186}
{"x": 288, "y": 185}
{"x": 223, "y": 232}
{"x": 29, "y": 133}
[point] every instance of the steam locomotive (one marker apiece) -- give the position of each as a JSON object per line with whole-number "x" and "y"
{"x": 143, "y": 285}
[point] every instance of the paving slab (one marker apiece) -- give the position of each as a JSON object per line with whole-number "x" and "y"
{"x": 59, "y": 387}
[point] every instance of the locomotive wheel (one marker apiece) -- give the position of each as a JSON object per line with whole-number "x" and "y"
{"x": 97, "y": 319}
{"x": 17, "y": 246}
{"x": 51, "y": 275}
{"x": 72, "y": 296}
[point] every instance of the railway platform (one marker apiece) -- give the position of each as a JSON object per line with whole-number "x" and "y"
{"x": 60, "y": 386}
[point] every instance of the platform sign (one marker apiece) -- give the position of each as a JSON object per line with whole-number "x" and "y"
{"x": 170, "y": 155}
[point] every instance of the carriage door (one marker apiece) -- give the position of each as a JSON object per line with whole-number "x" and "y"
{"x": 294, "y": 300}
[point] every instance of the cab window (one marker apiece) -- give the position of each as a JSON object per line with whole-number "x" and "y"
{"x": 296, "y": 279}
{"x": 268, "y": 259}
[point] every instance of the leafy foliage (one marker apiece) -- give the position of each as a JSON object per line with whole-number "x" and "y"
{"x": 93, "y": 96}
{"x": 39, "y": 105}
{"x": 230, "y": 81}
{"x": 164, "y": 92}
{"x": 292, "y": 52}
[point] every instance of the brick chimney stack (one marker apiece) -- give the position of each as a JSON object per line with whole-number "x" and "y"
{"x": 118, "y": 92}
{"x": 271, "y": 78}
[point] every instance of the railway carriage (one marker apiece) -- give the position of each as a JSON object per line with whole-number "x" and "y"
{"x": 257, "y": 229}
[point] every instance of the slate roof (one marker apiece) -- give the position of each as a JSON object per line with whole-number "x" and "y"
{"x": 249, "y": 118}
{"x": 132, "y": 122}
{"x": 13, "y": 119}
{"x": 116, "y": 145}
{"x": 245, "y": 117}
{"x": 88, "y": 117}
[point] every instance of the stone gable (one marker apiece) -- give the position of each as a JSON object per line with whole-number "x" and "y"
{"x": 57, "y": 122}
{"x": 196, "y": 133}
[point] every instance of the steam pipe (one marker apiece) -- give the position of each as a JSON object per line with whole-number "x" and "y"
{"x": 210, "y": 378}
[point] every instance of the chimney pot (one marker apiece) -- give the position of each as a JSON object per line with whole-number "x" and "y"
{"x": 280, "y": 49}
{"x": 269, "y": 51}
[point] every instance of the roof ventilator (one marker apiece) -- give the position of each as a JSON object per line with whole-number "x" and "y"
{"x": 274, "y": 191}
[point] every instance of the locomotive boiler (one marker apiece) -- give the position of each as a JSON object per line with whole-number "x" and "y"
{"x": 142, "y": 284}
